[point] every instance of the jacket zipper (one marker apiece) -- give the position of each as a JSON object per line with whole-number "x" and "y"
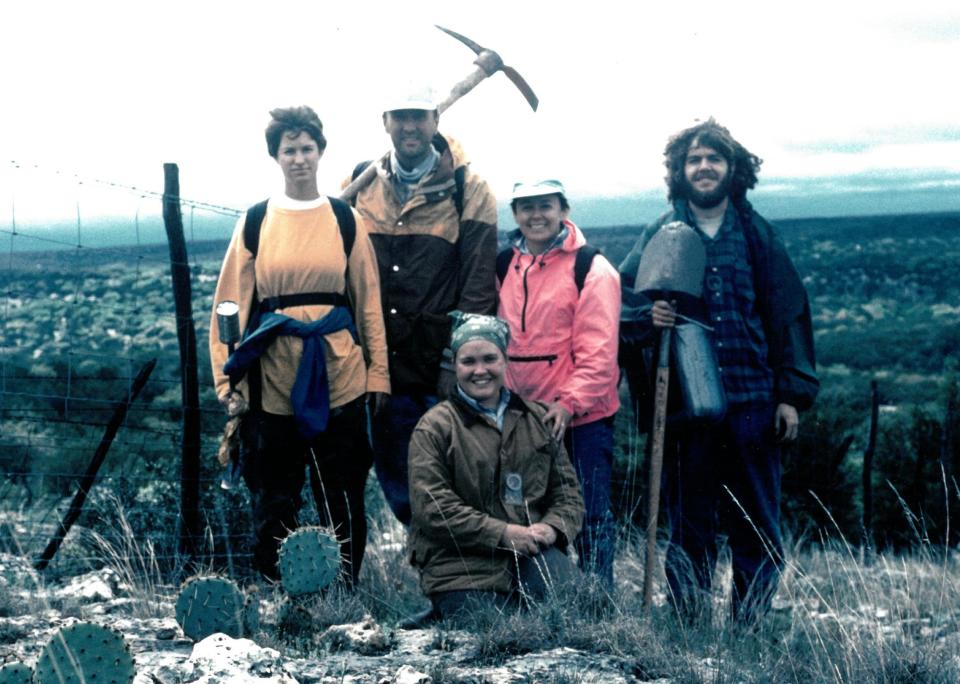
{"x": 523, "y": 312}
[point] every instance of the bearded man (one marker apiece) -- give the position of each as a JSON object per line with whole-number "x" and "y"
{"x": 726, "y": 475}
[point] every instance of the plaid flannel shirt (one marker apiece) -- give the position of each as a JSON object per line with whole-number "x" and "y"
{"x": 738, "y": 336}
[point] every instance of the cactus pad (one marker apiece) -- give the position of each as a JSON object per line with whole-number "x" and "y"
{"x": 309, "y": 561}
{"x": 16, "y": 673}
{"x": 84, "y": 653}
{"x": 207, "y": 605}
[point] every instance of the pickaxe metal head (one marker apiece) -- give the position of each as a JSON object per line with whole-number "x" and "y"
{"x": 491, "y": 63}
{"x": 488, "y": 63}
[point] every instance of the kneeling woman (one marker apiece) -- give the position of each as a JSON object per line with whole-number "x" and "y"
{"x": 495, "y": 499}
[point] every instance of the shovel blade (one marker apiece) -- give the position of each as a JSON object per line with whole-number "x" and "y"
{"x": 673, "y": 260}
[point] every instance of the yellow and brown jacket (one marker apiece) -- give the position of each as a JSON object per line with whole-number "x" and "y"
{"x": 432, "y": 258}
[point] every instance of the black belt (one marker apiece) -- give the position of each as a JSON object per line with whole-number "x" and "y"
{"x": 303, "y": 299}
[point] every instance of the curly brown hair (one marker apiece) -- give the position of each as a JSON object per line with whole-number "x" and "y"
{"x": 293, "y": 120}
{"x": 744, "y": 165}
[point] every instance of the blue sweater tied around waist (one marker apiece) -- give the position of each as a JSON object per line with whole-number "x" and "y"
{"x": 310, "y": 396}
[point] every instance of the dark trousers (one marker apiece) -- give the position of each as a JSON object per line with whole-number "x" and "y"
{"x": 338, "y": 461}
{"x": 550, "y": 572}
{"x": 590, "y": 447}
{"x": 391, "y": 434}
{"x": 739, "y": 454}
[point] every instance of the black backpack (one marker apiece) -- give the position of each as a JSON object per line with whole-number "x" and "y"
{"x": 251, "y": 240}
{"x": 581, "y": 264}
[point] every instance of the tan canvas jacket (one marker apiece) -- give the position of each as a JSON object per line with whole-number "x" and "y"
{"x": 459, "y": 463}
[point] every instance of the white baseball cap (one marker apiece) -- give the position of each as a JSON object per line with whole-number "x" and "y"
{"x": 412, "y": 98}
{"x": 537, "y": 188}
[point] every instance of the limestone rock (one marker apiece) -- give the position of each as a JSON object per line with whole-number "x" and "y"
{"x": 220, "y": 658}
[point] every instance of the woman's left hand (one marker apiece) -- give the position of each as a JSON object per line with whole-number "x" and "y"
{"x": 545, "y": 535}
{"x": 557, "y": 419}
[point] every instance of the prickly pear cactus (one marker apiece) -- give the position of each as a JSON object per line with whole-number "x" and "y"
{"x": 207, "y": 605}
{"x": 309, "y": 561}
{"x": 16, "y": 673}
{"x": 84, "y": 653}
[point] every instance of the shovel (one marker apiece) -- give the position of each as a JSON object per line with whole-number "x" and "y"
{"x": 671, "y": 267}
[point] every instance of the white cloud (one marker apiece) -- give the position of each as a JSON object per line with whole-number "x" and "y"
{"x": 111, "y": 90}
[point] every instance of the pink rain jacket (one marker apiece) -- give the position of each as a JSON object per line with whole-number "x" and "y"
{"x": 563, "y": 344}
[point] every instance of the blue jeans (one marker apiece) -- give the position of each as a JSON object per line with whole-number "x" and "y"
{"x": 739, "y": 454}
{"x": 391, "y": 433}
{"x": 591, "y": 451}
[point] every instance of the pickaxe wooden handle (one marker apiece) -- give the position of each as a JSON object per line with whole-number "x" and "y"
{"x": 488, "y": 63}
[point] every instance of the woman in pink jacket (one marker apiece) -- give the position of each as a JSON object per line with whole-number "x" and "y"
{"x": 564, "y": 316}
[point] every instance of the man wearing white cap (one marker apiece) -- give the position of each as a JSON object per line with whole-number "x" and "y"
{"x": 433, "y": 223}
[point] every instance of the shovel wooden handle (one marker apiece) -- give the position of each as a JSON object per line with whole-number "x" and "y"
{"x": 657, "y": 433}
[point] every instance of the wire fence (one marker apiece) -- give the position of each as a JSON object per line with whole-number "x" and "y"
{"x": 85, "y": 301}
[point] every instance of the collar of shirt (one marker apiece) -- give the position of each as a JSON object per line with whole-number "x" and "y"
{"x": 413, "y": 176}
{"x": 682, "y": 208}
{"x": 521, "y": 242}
{"x": 282, "y": 201}
{"x": 496, "y": 415}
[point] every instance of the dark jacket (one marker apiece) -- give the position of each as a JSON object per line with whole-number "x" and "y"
{"x": 781, "y": 301}
{"x": 459, "y": 464}
{"x": 432, "y": 260}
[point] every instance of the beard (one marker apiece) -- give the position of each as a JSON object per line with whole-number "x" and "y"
{"x": 710, "y": 199}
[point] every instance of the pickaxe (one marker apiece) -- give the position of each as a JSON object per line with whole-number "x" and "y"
{"x": 488, "y": 63}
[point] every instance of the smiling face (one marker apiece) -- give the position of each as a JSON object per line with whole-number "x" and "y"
{"x": 707, "y": 176}
{"x": 480, "y": 367}
{"x": 298, "y": 157}
{"x": 540, "y": 220}
{"x": 411, "y": 131}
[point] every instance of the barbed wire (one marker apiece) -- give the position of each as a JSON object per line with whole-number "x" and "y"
{"x": 142, "y": 192}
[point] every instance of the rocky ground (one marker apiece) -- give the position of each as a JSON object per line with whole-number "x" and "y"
{"x": 363, "y": 652}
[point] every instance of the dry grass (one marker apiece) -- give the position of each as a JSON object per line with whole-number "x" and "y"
{"x": 840, "y": 615}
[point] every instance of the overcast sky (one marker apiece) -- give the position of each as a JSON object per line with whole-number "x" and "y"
{"x": 832, "y": 95}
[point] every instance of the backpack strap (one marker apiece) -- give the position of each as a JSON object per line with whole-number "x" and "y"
{"x": 504, "y": 257}
{"x": 582, "y": 264}
{"x": 459, "y": 178}
{"x": 346, "y": 222}
{"x": 360, "y": 168}
{"x": 251, "y": 227}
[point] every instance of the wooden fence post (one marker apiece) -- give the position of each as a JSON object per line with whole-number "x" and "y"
{"x": 189, "y": 532}
{"x": 868, "y": 467}
{"x": 948, "y": 457}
